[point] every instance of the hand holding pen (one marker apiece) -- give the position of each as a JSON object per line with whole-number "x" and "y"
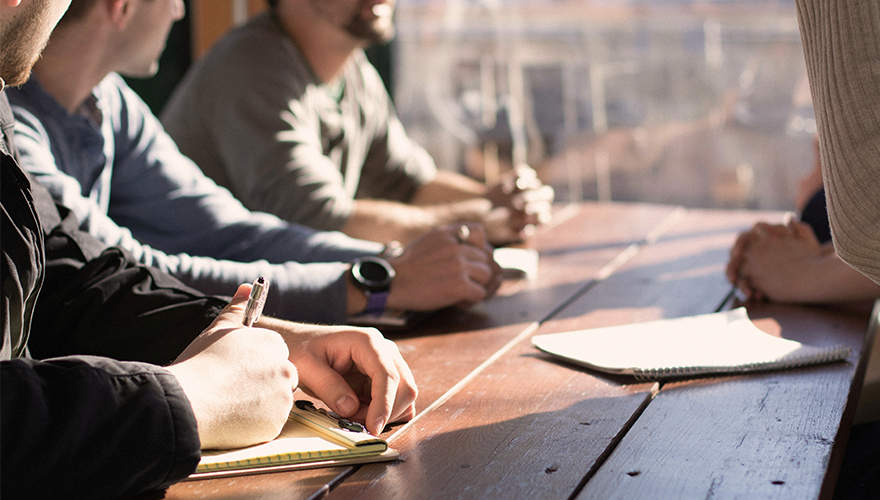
{"x": 251, "y": 378}
{"x": 256, "y": 301}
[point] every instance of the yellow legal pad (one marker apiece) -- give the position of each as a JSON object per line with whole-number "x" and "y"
{"x": 312, "y": 437}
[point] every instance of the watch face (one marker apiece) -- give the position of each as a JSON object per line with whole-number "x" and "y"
{"x": 372, "y": 273}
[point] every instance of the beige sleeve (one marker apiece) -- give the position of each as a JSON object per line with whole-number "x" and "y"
{"x": 842, "y": 47}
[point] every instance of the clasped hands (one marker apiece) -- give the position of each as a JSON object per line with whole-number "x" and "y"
{"x": 519, "y": 202}
{"x": 775, "y": 261}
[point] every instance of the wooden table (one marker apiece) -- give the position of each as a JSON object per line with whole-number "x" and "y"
{"x": 498, "y": 419}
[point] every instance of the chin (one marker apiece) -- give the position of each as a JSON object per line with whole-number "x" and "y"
{"x": 142, "y": 72}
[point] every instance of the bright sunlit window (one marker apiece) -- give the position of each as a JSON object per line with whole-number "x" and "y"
{"x": 700, "y": 103}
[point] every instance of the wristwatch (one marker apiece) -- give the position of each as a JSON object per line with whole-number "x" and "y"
{"x": 373, "y": 275}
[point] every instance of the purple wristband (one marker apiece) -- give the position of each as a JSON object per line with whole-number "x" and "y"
{"x": 376, "y": 303}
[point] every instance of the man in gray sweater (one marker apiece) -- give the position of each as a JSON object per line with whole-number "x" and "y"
{"x": 288, "y": 114}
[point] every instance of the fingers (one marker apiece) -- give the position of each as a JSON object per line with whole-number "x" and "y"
{"x": 525, "y": 177}
{"x": 737, "y": 267}
{"x": 505, "y": 226}
{"x": 737, "y": 253}
{"x": 325, "y": 383}
{"x": 479, "y": 264}
{"x": 764, "y": 261}
{"x": 482, "y": 270}
{"x": 529, "y": 198}
{"x": 805, "y": 232}
{"x": 239, "y": 382}
{"x": 230, "y": 317}
{"x": 237, "y": 304}
{"x": 522, "y": 190}
{"x": 469, "y": 233}
{"x": 758, "y": 232}
{"x": 535, "y": 204}
{"x": 393, "y": 392}
{"x": 450, "y": 265}
{"x": 351, "y": 366}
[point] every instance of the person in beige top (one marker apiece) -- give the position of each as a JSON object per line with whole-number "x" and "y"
{"x": 842, "y": 47}
{"x": 841, "y": 41}
{"x": 795, "y": 262}
{"x": 287, "y": 113}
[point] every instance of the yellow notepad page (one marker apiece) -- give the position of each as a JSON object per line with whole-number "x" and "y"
{"x": 311, "y": 437}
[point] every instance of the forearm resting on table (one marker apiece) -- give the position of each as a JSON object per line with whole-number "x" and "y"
{"x": 448, "y": 187}
{"x": 385, "y": 221}
{"x": 836, "y": 281}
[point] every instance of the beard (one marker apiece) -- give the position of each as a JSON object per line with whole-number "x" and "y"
{"x": 349, "y": 17}
{"x": 376, "y": 31}
{"x": 21, "y": 43}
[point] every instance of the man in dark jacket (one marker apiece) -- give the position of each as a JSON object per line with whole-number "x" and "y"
{"x": 88, "y": 410}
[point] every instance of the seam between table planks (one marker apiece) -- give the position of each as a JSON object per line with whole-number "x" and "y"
{"x": 602, "y": 274}
{"x": 624, "y": 256}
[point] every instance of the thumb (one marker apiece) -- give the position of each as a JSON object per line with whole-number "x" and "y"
{"x": 233, "y": 313}
{"x": 230, "y": 317}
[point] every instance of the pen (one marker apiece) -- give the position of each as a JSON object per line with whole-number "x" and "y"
{"x": 256, "y": 301}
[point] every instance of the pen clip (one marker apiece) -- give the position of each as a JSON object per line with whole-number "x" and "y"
{"x": 343, "y": 423}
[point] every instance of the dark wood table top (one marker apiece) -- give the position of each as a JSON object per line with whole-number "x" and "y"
{"x": 499, "y": 419}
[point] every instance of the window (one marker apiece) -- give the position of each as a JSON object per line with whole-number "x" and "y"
{"x": 701, "y": 103}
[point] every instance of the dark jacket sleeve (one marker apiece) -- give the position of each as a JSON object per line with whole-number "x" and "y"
{"x": 100, "y": 301}
{"x": 88, "y": 427}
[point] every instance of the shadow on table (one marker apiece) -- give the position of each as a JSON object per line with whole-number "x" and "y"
{"x": 545, "y": 454}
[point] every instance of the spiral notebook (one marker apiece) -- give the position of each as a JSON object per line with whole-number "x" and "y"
{"x": 709, "y": 344}
{"x": 312, "y": 437}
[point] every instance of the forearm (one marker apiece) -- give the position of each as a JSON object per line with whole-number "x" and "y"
{"x": 842, "y": 54}
{"x": 835, "y": 281}
{"x": 312, "y": 293}
{"x": 448, "y": 186}
{"x": 208, "y": 221}
{"x": 385, "y": 221}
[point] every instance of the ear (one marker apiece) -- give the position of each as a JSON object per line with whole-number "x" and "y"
{"x": 119, "y": 12}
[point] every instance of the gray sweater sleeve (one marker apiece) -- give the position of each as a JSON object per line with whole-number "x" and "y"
{"x": 842, "y": 47}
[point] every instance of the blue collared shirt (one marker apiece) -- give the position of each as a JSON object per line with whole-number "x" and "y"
{"x": 112, "y": 163}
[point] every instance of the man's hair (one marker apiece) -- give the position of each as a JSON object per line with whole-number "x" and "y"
{"x": 272, "y": 3}
{"x": 77, "y": 10}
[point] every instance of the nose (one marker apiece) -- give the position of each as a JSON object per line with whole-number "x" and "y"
{"x": 178, "y": 9}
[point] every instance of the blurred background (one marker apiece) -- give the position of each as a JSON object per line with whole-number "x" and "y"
{"x": 699, "y": 103}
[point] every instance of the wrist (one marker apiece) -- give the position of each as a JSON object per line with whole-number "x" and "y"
{"x": 356, "y": 301}
{"x": 472, "y": 210}
{"x": 190, "y": 382}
